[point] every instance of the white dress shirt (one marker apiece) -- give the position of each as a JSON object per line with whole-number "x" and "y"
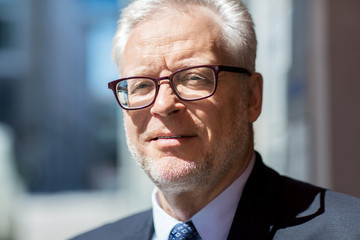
{"x": 219, "y": 212}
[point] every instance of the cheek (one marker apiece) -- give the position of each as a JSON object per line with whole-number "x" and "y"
{"x": 130, "y": 129}
{"x": 212, "y": 119}
{"x": 135, "y": 122}
{"x": 223, "y": 116}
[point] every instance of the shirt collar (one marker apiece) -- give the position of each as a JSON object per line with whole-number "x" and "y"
{"x": 163, "y": 222}
{"x": 219, "y": 212}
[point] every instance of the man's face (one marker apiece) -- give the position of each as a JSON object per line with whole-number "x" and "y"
{"x": 186, "y": 143}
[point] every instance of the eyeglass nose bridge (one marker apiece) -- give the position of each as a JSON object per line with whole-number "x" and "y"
{"x": 165, "y": 79}
{"x": 161, "y": 80}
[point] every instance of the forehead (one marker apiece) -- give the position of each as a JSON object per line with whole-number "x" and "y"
{"x": 174, "y": 39}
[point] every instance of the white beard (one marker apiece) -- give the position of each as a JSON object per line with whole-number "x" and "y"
{"x": 216, "y": 162}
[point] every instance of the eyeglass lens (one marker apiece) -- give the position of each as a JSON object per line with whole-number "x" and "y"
{"x": 189, "y": 84}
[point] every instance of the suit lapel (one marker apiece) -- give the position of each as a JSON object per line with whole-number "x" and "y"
{"x": 260, "y": 206}
{"x": 271, "y": 203}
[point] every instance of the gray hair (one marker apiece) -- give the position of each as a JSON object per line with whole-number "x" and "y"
{"x": 237, "y": 27}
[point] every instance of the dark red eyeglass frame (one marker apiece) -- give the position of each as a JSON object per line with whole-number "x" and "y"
{"x": 216, "y": 69}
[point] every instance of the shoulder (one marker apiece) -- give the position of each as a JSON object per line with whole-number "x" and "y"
{"x": 316, "y": 213}
{"x": 342, "y": 208}
{"x": 128, "y": 228}
{"x": 294, "y": 209}
{"x": 328, "y": 202}
{"x": 297, "y": 194}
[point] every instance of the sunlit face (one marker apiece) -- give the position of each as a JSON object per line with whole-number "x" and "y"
{"x": 186, "y": 143}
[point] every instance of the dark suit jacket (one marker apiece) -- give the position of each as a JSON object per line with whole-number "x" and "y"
{"x": 271, "y": 207}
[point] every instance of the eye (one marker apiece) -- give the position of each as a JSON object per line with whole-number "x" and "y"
{"x": 140, "y": 86}
{"x": 193, "y": 80}
{"x": 193, "y": 77}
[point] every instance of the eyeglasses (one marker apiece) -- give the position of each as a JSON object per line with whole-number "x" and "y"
{"x": 188, "y": 84}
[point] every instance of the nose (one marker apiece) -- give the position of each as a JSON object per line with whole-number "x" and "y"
{"x": 166, "y": 103}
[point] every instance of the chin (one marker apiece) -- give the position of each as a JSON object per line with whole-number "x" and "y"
{"x": 170, "y": 169}
{"x": 175, "y": 184}
{"x": 173, "y": 174}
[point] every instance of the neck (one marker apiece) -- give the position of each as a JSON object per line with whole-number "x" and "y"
{"x": 182, "y": 205}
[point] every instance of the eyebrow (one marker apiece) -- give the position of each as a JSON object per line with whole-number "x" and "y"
{"x": 142, "y": 71}
{"x": 139, "y": 72}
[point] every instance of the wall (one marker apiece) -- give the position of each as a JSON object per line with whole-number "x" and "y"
{"x": 334, "y": 85}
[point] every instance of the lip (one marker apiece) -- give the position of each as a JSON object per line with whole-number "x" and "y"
{"x": 168, "y": 137}
{"x": 168, "y": 142}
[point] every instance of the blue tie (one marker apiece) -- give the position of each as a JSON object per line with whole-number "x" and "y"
{"x": 184, "y": 231}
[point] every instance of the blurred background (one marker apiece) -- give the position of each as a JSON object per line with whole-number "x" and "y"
{"x": 64, "y": 165}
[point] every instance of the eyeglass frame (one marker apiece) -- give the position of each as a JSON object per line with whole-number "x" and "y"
{"x": 157, "y": 81}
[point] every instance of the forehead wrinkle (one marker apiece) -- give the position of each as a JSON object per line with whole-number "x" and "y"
{"x": 163, "y": 47}
{"x": 188, "y": 48}
{"x": 153, "y": 38}
{"x": 168, "y": 45}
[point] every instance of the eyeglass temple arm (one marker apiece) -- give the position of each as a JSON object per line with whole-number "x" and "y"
{"x": 234, "y": 69}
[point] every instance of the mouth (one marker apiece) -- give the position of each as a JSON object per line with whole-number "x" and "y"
{"x": 170, "y": 137}
{"x": 169, "y": 142}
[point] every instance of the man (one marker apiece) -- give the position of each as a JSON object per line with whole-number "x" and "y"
{"x": 190, "y": 94}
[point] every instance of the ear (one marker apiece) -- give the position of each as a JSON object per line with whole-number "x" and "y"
{"x": 255, "y": 89}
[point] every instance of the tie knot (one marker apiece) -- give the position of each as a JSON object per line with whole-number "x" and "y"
{"x": 184, "y": 231}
